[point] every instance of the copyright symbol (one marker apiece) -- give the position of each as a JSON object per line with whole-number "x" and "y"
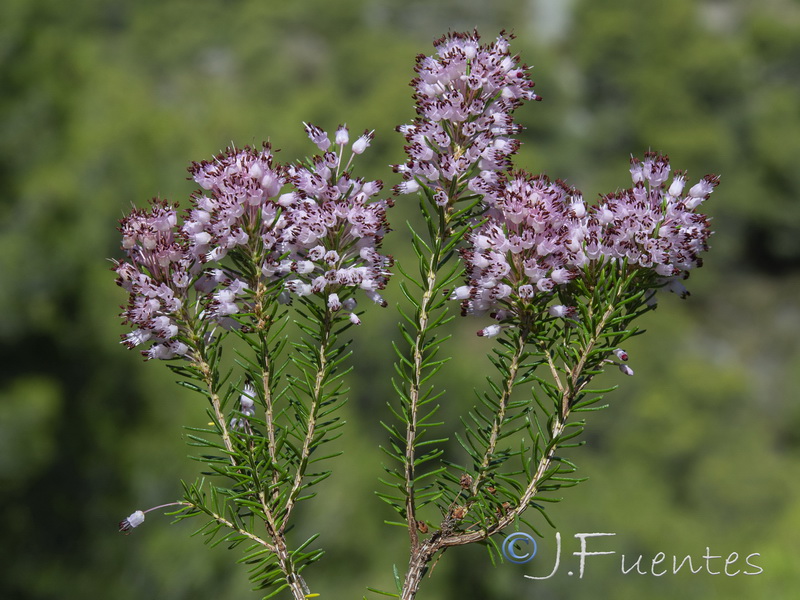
{"x": 518, "y": 555}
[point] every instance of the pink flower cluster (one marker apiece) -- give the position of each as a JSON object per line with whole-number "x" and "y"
{"x": 465, "y": 95}
{"x": 530, "y": 243}
{"x": 315, "y": 229}
{"x": 156, "y": 277}
{"x": 241, "y": 211}
{"x": 541, "y": 235}
{"x": 241, "y": 207}
{"x": 334, "y": 227}
{"x": 652, "y": 225}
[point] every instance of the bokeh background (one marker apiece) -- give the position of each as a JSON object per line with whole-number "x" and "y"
{"x": 104, "y": 103}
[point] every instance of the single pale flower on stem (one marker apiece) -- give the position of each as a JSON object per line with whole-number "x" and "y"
{"x": 134, "y": 520}
{"x": 137, "y": 517}
{"x": 246, "y": 409}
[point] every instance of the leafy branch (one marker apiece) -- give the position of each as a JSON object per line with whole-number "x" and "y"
{"x": 419, "y": 363}
{"x": 610, "y": 308}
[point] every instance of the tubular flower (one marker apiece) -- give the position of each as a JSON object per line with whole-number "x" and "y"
{"x": 246, "y": 408}
{"x": 136, "y": 519}
{"x": 465, "y": 95}
{"x": 243, "y": 233}
{"x": 334, "y": 229}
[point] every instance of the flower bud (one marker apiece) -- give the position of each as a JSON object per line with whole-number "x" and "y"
{"x": 701, "y": 189}
{"x": 376, "y": 298}
{"x": 561, "y": 311}
{"x": 304, "y": 267}
{"x": 407, "y": 187}
{"x": 637, "y": 171}
{"x": 578, "y": 208}
{"x": 247, "y": 399}
{"x": 317, "y": 136}
{"x": 676, "y": 187}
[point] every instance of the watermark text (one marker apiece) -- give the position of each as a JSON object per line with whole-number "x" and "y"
{"x": 522, "y": 548}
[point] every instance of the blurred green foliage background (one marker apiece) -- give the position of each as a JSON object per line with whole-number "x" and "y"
{"x": 104, "y": 103}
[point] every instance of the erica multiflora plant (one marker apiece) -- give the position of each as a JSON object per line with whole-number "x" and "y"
{"x": 271, "y": 260}
{"x": 258, "y": 240}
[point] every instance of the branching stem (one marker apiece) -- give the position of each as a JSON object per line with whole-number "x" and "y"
{"x": 293, "y": 579}
{"x": 446, "y": 536}
{"x": 414, "y": 397}
{"x": 212, "y": 391}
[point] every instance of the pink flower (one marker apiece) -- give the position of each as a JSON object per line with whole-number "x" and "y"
{"x": 561, "y": 311}
{"x": 319, "y": 137}
{"x": 156, "y": 276}
{"x": 527, "y": 223}
{"x": 465, "y": 95}
{"x": 539, "y": 236}
{"x": 650, "y": 226}
{"x": 333, "y": 231}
